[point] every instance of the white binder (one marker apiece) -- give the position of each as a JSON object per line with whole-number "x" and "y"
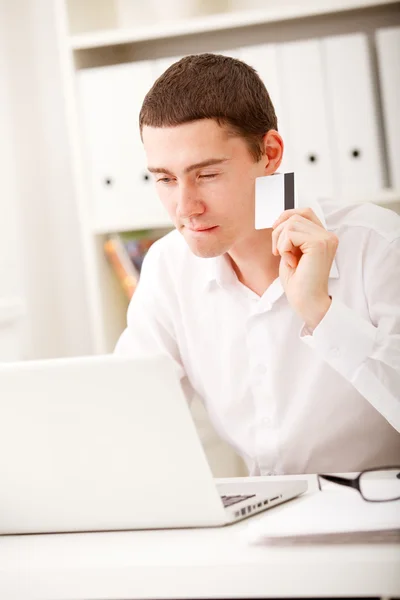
{"x": 353, "y": 115}
{"x": 303, "y": 100}
{"x": 263, "y": 59}
{"x": 122, "y": 195}
{"x": 388, "y": 49}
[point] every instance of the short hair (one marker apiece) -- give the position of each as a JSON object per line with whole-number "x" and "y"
{"x": 212, "y": 86}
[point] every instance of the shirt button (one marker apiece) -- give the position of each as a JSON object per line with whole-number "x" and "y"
{"x": 335, "y": 352}
{"x": 267, "y": 421}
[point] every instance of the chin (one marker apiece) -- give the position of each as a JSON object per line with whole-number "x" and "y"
{"x": 209, "y": 250}
{"x": 206, "y": 252}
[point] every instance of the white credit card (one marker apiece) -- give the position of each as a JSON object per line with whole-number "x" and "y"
{"x": 274, "y": 194}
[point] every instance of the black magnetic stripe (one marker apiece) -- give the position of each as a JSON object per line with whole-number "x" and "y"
{"x": 289, "y": 190}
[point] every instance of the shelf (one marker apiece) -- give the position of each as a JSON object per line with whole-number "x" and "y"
{"x": 125, "y": 226}
{"x": 219, "y": 22}
{"x": 119, "y": 223}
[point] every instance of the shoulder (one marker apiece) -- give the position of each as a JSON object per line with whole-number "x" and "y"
{"x": 369, "y": 239}
{"x": 171, "y": 249}
{"x": 168, "y": 245}
{"x": 171, "y": 261}
{"x": 362, "y": 221}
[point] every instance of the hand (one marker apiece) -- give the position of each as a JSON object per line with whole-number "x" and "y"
{"x": 307, "y": 251}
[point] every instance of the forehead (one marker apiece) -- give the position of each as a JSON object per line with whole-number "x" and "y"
{"x": 187, "y": 133}
{"x": 188, "y": 143}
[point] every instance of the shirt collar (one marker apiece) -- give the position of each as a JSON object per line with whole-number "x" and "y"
{"x": 220, "y": 269}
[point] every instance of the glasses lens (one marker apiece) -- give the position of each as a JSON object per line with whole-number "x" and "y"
{"x": 381, "y": 484}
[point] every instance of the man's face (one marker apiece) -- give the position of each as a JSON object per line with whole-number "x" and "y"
{"x": 206, "y": 181}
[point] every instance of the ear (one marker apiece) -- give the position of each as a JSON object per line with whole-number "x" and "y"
{"x": 273, "y": 151}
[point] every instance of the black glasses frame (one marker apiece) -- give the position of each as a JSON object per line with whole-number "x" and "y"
{"x": 355, "y": 482}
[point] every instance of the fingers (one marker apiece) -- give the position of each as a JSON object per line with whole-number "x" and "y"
{"x": 298, "y": 235}
{"x": 291, "y": 259}
{"x": 286, "y": 249}
{"x": 306, "y": 212}
{"x": 294, "y": 223}
{"x": 284, "y": 243}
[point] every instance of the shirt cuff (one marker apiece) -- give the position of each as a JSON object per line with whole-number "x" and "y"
{"x": 343, "y": 338}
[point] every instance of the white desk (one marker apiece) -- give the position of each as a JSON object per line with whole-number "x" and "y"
{"x": 213, "y": 563}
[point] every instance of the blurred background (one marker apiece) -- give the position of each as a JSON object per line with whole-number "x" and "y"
{"x": 77, "y": 210}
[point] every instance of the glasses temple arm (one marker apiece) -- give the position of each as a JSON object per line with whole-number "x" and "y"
{"x": 340, "y": 480}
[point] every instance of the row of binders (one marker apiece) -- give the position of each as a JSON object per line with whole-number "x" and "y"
{"x": 339, "y": 119}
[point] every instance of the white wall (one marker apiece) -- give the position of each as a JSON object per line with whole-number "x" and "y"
{"x": 48, "y": 235}
{"x": 12, "y": 294}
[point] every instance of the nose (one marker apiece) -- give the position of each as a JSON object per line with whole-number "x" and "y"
{"x": 189, "y": 203}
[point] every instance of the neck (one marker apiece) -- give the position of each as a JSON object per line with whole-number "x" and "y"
{"x": 253, "y": 262}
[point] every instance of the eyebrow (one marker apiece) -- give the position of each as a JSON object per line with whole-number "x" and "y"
{"x": 205, "y": 163}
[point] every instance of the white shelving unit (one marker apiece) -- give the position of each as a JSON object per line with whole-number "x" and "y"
{"x": 287, "y": 21}
{"x": 273, "y": 13}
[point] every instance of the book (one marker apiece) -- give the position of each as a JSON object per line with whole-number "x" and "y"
{"x": 336, "y": 515}
{"x": 125, "y": 252}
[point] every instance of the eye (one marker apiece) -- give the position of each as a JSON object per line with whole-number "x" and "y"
{"x": 164, "y": 180}
{"x": 208, "y": 176}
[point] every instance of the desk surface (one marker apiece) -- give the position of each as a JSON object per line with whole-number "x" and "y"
{"x": 198, "y": 563}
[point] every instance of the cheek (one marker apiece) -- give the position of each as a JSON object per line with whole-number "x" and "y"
{"x": 238, "y": 198}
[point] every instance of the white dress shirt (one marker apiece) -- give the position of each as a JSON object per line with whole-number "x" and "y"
{"x": 287, "y": 401}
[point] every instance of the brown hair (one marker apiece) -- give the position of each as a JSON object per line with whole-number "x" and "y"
{"x": 212, "y": 86}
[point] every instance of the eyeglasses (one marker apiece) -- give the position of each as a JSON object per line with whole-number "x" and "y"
{"x": 374, "y": 485}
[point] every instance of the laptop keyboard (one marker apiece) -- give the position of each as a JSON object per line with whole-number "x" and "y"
{"x": 229, "y": 500}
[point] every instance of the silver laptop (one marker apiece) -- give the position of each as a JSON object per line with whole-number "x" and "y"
{"x": 108, "y": 443}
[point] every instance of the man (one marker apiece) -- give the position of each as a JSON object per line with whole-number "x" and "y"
{"x": 290, "y": 335}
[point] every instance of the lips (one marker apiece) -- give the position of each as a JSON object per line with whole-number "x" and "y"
{"x": 199, "y": 229}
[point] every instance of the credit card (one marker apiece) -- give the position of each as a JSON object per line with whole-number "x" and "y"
{"x": 274, "y": 194}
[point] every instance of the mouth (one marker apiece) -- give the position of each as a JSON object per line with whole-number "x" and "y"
{"x": 201, "y": 230}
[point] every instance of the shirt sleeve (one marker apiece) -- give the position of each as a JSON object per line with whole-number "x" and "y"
{"x": 367, "y": 352}
{"x": 150, "y": 328}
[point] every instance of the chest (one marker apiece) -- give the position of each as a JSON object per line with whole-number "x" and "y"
{"x": 235, "y": 338}
{"x": 229, "y": 339}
